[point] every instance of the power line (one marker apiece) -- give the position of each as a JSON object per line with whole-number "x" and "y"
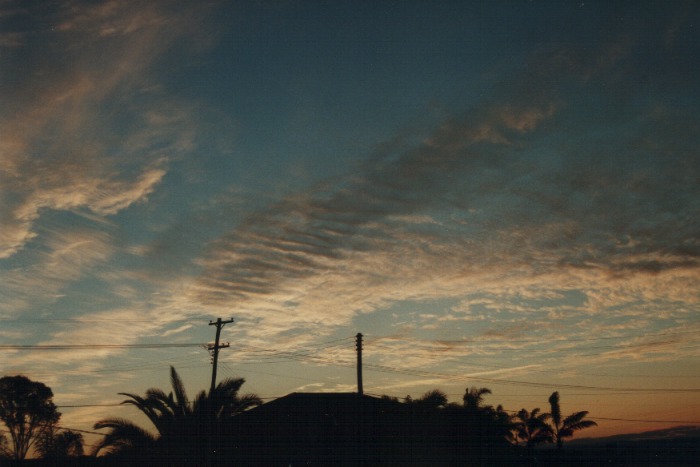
{"x": 99, "y": 320}
{"x": 423, "y": 373}
{"x": 87, "y": 405}
{"x": 310, "y": 357}
{"x": 630, "y": 419}
{"x": 644, "y": 421}
{"x": 597, "y": 418}
{"x": 79, "y": 430}
{"x": 95, "y": 346}
{"x": 230, "y": 372}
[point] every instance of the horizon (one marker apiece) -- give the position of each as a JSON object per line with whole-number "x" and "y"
{"x": 495, "y": 194}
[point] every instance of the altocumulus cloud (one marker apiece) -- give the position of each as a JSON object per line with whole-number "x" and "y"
{"x": 559, "y": 182}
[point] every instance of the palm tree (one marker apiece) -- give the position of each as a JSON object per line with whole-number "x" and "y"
{"x": 177, "y": 420}
{"x": 565, "y": 428}
{"x": 532, "y": 427}
{"x": 473, "y": 397}
{"x": 504, "y": 425}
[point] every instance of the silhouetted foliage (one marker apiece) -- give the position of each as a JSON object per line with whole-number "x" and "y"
{"x": 324, "y": 429}
{"x": 26, "y": 408}
{"x": 531, "y": 427}
{"x": 181, "y": 424}
{"x": 353, "y": 429}
{"x": 473, "y": 398}
{"x": 124, "y": 438}
{"x": 434, "y": 399}
{"x": 565, "y": 428}
{"x": 5, "y": 450}
{"x": 59, "y": 444}
{"x": 506, "y": 426}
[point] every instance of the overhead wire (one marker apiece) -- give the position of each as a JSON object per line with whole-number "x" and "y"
{"x": 308, "y": 355}
{"x": 97, "y": 346}
{"x": 101, "y": 320}
{"x": 589, "y": 417}
{"x": 423, "y": 373}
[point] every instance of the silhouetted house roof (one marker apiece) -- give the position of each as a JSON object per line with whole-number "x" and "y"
{"x": 336, "y": 429}
{"x": 312, "y": 428}
{"x": 325, "y": 404}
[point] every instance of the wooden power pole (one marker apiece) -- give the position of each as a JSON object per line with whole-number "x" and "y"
{"x": 215, "y": 349}
{"x": 358, "y": 345}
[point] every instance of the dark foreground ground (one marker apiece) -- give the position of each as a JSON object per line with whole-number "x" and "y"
{"x": 356, "y": 430}
{"x": 660, "y": 453}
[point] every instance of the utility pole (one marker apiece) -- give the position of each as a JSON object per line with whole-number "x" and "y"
{"x": 358, "y": 345}
{"x": 215, "y": 349}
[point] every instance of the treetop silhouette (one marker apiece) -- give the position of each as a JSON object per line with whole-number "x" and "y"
{"x": 565, "y": 428}
{"x": 27, "y": 409}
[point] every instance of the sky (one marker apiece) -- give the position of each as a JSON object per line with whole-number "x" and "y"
{"x": 495, "y": 194}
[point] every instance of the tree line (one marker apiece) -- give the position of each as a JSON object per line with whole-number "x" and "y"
{"x": 524, "y": 428}
{"x": 190, "y": 430}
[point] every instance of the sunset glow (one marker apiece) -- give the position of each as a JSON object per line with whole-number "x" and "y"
{"x": 496, "y": 194}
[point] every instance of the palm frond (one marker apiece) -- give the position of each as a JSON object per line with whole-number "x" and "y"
{"x": 179, "y": 390}
{"x": 156, "y": 393}
{"x": 228, "y": 387}
{"x": 123, "y": 434}
{"x": 158, "y": 411}
{"x": 144, "y": 405}
{"x": 544, "y": 435}
{"x": 245, "y": 402}
{"x": 581, "y": 425}
{"x": 574, "y": 418}
{"x": 555, "y": 408}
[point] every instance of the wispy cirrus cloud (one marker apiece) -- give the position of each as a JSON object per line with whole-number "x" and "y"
{"x": 67, "y": 256}
{"x": 85, "y": 132}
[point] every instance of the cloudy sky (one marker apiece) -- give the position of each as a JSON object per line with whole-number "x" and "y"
{"x": 497, "y": 194}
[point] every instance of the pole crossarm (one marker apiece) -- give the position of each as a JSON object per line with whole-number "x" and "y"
{"x": 219, "y": 323}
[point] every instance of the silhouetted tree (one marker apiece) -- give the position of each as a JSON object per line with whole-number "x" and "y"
{"x": 26, "y": 408}
{"x": 504, "y": 425}
{"x": 179, "y": 423}
{"x": 388, "y": 398}
{"x": 532, "y": 427}
{"x": 565, "y": 428}
{"x": 4, "y": 446}
{"x": 483, "y": 431}
{"x": 434, "y": 399}
{"x": 55, "y": 444}
{"x": 473, "y": 398}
